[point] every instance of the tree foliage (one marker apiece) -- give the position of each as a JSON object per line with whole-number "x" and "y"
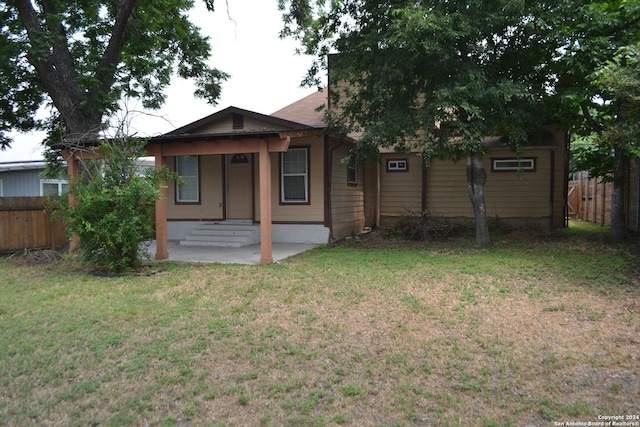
{"x": 112, "y": 206}
{"x": 82, "y": 57}
{"x": 438, "y": 75}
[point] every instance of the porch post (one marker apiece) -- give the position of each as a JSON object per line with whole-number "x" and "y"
{"x": 72, "y": 170}
{"x": 162, "y": 251}
{"x": 266, "y": 254}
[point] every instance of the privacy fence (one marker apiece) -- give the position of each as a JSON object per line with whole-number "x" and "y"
{"x": 589, "y": 199}
{"x": 26, "y": 223}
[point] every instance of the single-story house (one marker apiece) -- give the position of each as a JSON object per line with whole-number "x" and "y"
{"x": 24, "y": 179}
{"x": 248, "y": 177}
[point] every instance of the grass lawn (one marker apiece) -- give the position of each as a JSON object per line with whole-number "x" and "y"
{"x": 529, "y": 332}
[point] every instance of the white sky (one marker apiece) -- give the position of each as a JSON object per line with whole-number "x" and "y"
{"x": 265, "y": 73}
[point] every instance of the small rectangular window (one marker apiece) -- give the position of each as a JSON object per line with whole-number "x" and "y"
{"x": 238, "y": 121}
{"x": 188, "y": 191}
{"x": 397, "y": 165}
{"x": 352, "y": 171}
{"x": 53, "y": 187}
{"x": 294, "y": 176}
{"x": 513, "y": 165}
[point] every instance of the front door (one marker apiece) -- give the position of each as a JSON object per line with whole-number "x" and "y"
{"x": 239, "y": 186}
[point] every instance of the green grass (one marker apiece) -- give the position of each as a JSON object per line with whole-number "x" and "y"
{"x": 524, "y": 332}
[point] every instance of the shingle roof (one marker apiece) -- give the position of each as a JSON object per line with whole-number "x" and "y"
{"x": 309, "y": 110}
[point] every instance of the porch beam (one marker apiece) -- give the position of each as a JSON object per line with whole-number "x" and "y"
{"x": 227, "y": 146}
{"x": 266, "y": 245}
{"x": 162, "y": 251}
{"x": 73, "y": 166}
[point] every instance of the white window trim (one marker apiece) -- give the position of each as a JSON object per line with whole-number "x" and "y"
{"x": 498, "y": 165}
{"x": 305, "y": 174}
{"x": 397, "y": 165}
{"x": 196, "y": 176}
{"x": 1, "y": 189}
{"x": 59, "y": 182}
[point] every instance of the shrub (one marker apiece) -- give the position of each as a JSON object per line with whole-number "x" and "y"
{"x": 424, "y": 226}
{"x": 113, "y": 208}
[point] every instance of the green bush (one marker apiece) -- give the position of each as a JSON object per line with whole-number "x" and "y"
{"x": 113, "y": 209}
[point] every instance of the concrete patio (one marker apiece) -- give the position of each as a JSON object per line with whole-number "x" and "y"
{"x": 242, "y": 255}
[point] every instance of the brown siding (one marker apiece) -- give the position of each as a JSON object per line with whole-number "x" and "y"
{"x": 401, "y": 192}
{"x": 211, "y": 194}
{"x": 519, "y": 194}
{"x": 370, "y": 177}
{"x": 347, "y": 201}
{"x": 297, "y": 213}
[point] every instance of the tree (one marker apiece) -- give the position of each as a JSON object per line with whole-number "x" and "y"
{"x": 83, "y": 57}
{"x": 597, "y": 90}
{"x": 112, "y": 206}
{"x": 440, "y": 75}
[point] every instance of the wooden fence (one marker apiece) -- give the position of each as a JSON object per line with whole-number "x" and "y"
{"x": 25, "y": 222}
{"x": 589, "y": 199}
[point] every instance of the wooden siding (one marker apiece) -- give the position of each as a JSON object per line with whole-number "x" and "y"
{"x": 211, "y": 192}
{"x": 507, "y": 194}
{"x": 25, "y": 223}
{"x": 370, "y": 172}
{"x": 312, "y": 212}
{"x": 226, "y": 126}
{"x": 519, "y": 194}
{"x": 347, "y": 201}
{"x": 401, "y": 192}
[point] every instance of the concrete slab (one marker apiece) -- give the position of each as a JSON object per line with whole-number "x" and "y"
{"x": 243, "y": 255}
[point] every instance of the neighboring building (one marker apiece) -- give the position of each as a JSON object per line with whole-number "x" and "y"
{"x": 24, "y": 179}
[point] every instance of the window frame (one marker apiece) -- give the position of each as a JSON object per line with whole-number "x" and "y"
{"x": 352, "y": 171}
{"x": 511, "y": 169}
{"x": 197, "y": 200}
{"x": 396, "y": 169}
{"x": 307, "y": 174}
{"x": 58, "y": 182}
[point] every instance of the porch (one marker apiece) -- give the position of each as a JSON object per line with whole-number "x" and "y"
{"x": 242, "y": 255}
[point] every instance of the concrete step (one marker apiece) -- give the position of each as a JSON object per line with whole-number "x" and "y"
{"x": 224, "y": 234}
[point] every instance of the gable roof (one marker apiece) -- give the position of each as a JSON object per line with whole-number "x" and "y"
{"x": 309, "y": 110}
{"x": 272, "y": 123}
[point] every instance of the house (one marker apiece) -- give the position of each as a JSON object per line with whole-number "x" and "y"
{"x": 24, "y": 179}
{"x": 526, "y": 189}
{"x": 248, "y": 177}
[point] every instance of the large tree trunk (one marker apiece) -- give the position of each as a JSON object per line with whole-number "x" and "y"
{"x": 476, "y": 178}
{"x": 618, "y": 216}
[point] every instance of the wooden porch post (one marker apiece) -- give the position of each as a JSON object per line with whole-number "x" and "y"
{"x": 266, "y": 247}
{"x": 162, "y": 251}
{"x": 72, "y": 169}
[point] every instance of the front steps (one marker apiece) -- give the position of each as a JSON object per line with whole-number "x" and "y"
{"x": 227, "y": 234}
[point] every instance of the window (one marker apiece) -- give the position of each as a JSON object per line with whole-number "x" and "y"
{"x": 397, "y": 165}
{"x": 1, "y": 193}
{"x": 352, "y": 171}
{"x": 294, "y": 170}
{"x": 513, "y": 165}
{"x": 53, "y": 187}
{"x": 189, "y": 190}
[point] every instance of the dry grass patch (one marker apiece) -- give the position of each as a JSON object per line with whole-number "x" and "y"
{"x": 524, "y": 333}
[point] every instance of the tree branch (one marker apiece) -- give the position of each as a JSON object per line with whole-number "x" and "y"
{"x": 590, "y": 120}
{"x": 107, "y": 67}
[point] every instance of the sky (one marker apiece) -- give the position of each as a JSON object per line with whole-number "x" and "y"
{"x": 265, "y": 73}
